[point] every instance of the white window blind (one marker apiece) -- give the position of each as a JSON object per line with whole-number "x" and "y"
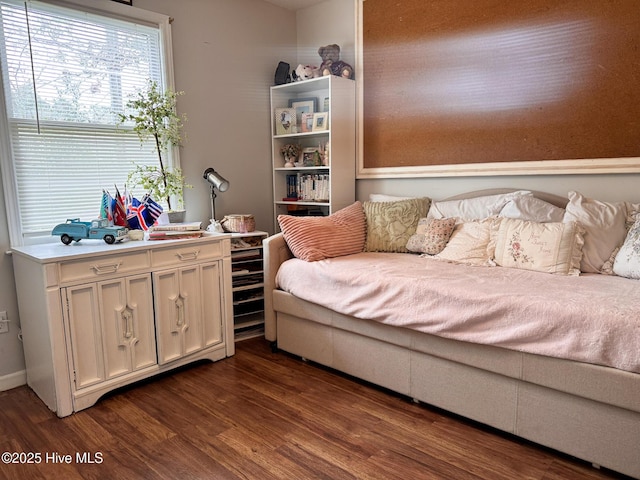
{"x": 66, "y": 74}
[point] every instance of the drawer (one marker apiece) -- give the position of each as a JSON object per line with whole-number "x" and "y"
{"x": 101, "y": 266}
{"x": 165, "y": 257}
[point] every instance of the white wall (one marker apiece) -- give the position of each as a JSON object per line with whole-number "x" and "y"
{"x": 334, "y": 21}
{"x": 225, "y": 56}
{"x": 11, "y": 355}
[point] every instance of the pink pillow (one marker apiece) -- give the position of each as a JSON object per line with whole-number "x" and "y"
{"x": 317, "y": 238}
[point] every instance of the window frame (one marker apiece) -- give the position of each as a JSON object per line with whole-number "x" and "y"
{"x": 99, "y": 7}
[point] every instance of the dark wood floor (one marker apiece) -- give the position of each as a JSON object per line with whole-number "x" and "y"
{"x": 263, "y": 415}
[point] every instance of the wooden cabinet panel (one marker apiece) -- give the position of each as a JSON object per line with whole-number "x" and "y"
{"x": 86, "y": 335}
{"x": 126, "y": 310}
{"x": 96, "y": 317}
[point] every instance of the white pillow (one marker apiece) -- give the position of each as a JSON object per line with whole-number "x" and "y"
{"x": 468, "y": 243}
{"x": 470, "y": 209}
{"x": 627, "y": 262}
{"x": 605, "y": 228}
{"x": 526, "y": 207}
{"x": 551, "y": 247}
{"x": 381, "y": 197}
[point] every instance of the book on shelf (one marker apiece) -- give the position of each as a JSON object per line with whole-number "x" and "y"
{"x": 177, "y": 227}
{"x": 309, "y": 187}
{"x": 175, "y": 234}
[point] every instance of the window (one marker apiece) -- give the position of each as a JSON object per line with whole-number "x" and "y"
{"x": 66, "y": 74}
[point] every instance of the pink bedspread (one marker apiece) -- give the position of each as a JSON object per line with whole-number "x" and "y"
{"x": 591, "y": 318}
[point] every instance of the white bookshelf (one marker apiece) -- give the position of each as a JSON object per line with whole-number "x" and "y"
{"x": 339, "y": 175}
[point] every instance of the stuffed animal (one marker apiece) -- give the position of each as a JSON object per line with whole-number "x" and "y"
{"x": 331, "y": 63}
{"x": 305, "y": 72}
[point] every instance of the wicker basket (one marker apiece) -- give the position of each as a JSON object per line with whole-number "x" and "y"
{"x": 240, "y": 223}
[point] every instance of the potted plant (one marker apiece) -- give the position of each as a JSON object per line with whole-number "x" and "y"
{"x": 154, "y": 116}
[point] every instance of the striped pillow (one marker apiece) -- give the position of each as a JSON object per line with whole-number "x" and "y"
{"x": 317, "y": 238}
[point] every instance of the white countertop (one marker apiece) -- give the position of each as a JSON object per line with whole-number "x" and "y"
{"x": 56, "y": 251}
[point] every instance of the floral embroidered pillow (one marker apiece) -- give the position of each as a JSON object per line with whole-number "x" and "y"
{"x": 552, "y": 247}
{"x": 627, "y": 262}
{"x": 431, "y": 235}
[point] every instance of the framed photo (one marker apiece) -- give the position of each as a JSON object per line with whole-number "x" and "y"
{"x": 303, "y": 105}
{"x": 325, "y": 105}
{"x": 310, "y": 157}
{"x": 320, "y": 121}
{"x": 306, "y": 125}
{"x": 285, "y": 121}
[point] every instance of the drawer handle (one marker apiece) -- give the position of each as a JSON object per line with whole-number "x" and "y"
{"x": 188, "y": 255}
{"x": 180, "y": 307}
{"x": 104, "y": 269}
{"x": 128, "y": 323}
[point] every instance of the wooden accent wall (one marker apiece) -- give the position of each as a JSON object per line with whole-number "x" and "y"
{"x": 475, "y": 81}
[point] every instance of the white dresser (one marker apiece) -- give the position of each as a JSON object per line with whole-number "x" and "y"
{"x": 96, "y": 317}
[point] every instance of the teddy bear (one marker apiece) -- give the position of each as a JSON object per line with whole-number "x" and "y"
{"x": 305, "y": 72}
{"x": 331, "y": 63}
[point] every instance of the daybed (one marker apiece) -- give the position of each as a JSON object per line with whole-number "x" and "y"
{"x": 555, "y": 393}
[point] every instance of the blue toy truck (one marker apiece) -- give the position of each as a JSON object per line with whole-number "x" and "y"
{"x": 75, "y": 230}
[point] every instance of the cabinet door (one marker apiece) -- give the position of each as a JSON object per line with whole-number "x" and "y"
{"x": 128, "y": 336}
{"x": 85, "y": 334}
{"x": 212, "y": 303}
{"x": 178, "y": 312}
{"x": 111, "y": 328}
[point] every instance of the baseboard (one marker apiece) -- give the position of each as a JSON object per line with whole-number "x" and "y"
{"x": 13, "y": 380}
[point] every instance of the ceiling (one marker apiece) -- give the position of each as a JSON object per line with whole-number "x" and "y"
{"x": 294, "y": 4}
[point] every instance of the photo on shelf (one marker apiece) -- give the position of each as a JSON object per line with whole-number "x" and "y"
{"x": 285, "y": 120}
{"x": 320, "y": 121}
{"x": 325, "y": 106}
{"x": 310, "y": 157}
{"x": 302, "y": 106}
{"x": 306, "y": 124}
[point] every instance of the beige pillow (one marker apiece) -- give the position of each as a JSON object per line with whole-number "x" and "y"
{"x": 551, "y": 247}
{"x": 605, "y": 228}
{"x": 391, "y": 224}
{"x": 431, "y": 235}
{"x": 468, "y": 243}
{"x": 317, "y": 238}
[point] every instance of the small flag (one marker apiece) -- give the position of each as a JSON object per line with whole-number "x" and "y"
{"x": 119, "y": 212}
{"x": 153, "y": 210}
{"x": 135, "y": 215}
{"x": 104, "y": 206}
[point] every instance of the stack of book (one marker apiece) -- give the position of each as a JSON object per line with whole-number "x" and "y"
{"x": 172, "y": 231}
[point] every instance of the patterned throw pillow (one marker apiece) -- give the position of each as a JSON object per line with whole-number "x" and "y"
{"x": 552, "y": 247}
{"x": 317, "y": 238}
{"x": 627, "y": 262}
{"x": 431, "y": 235}
{"x": 391, "y": 224}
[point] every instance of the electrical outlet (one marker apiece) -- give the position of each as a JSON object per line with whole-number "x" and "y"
{"x": 4, "y": 322}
